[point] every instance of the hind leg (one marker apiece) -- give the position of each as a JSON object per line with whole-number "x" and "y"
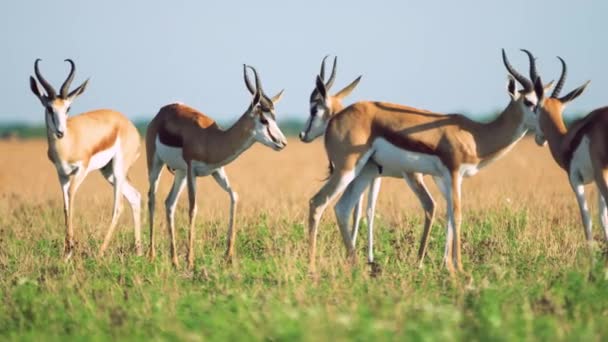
{"x": 602, "y": 185}
{"x": 416, "y": 183}
{"x": 170, "y": 203}
{"x": 356, "y": 218}
{"x": 349, "y": 199}
{"x": 579, "y": 190}
{"x": 372, "y": 199}
{"x": 134, "y": 199}
{"x": 119, "y": 178}
{"x": 154, "y": 173}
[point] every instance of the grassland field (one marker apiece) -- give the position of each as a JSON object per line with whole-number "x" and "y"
{"x": 532, "y": 276}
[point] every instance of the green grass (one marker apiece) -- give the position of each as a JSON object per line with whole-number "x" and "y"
{"x": 514, "y": 292}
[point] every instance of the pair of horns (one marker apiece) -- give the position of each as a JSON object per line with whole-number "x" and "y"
{"x": 258, "y": 83}
{"x": 534, "y": 74}
{"x": 65, "y": 87}
{"x": 332, "y": 76}
{"x": 528, "y": 84}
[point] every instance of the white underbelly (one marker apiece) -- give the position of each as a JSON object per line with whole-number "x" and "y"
{"x": 580, "y": 164}
{"x": 395, "y": 161}
{"x": 102, "y": 158}
{"x": 174, "y": 158}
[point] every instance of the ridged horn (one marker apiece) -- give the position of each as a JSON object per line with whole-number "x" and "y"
{"x": 332, "y": 77}
{"x": 50, "y": 91}
{"x": 533, "y": 72}
{"x": 65, "y": 87}
{"x": 519, "y": 77}
{"x": 562, "y": 79}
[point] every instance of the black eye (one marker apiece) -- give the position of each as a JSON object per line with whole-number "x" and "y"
{"x": 263, "y": 121}
{"x": 528, "y": 103}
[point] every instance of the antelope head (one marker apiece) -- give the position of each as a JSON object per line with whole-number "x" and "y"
{"x": 526, "y": 98}
{"x": 265, "y": 130}
{"x": 57, "y": 106}
{"x": 322, "y": 105}
{"x": 551, "y": 108}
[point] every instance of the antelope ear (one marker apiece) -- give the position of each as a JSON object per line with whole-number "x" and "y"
{"x": 35, "y": 87}
{"x": 511, "y": 87}
{"x": 548, "y": 86}
{"x": 574, "y": 94}
{"x": 348, "y": 89}
{"x": 321, "y": 87}
{"x": 78, "y": 91}
{"x": 275, "y": 99}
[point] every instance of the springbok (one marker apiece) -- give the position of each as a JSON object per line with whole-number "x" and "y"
{"x": 193, "y": 145}
{"x": 400, "y": 139}
{"x": 102, "y": 140}
{"x": 580, "y": 150}
{"x": 323, "y": 106}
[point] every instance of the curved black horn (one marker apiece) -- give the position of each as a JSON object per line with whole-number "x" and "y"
{"x": 322, "y": 73}
{"x": 562, "y": 79}
{"x": 519, "y": 77}
{"x": 47, "y": 86}
{"x": 247, "y": 80}
{"x": 533, "y": 72}
{"x": 258, "y": 83}
{"x": 65, "y": 87}
{"x": 332, "y": 77}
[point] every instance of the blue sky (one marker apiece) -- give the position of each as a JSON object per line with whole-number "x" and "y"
{"x": 439, "y": 55}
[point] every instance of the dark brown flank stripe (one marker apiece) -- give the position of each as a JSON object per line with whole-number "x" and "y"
{"x": 575, "y": 134}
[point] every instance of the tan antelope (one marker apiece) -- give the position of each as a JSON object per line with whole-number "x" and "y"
{"x": 322, "y": 108}
{"x": 581, "y": 150}
{"x": 401, "y": 139}
{"x": 193, "y": 145}
{"x": 102, "y": 140}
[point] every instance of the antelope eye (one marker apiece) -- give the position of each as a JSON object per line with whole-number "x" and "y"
{"x": 263, "y": 121}
{"x": 528, "y": 103}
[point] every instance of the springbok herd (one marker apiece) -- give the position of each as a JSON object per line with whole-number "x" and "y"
{"x": 364, "y": 141}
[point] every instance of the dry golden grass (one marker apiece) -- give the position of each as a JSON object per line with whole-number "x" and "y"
{"x": 280, "y": 184}
{"x": 522, "y": 241}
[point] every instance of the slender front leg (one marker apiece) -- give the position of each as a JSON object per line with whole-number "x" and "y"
{"x": 416, "y": 183}
{"x": 579, "y": 190}
{"x": 337, "y": 182}
{"x": 153, "y": 178}
{"x": 68, "y": 245}
{"x": 170, "y": 204}
{"x": 222, "y": 179}
{"x": 69, "y": 186}
{"x": 372, "y": 199}
{"x": 192, "y": 212}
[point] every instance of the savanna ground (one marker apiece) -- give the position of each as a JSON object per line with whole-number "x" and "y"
{"x": 531, "y": 275}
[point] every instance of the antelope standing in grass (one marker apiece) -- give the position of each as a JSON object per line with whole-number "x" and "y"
{"x": 581, "y": 150}
{"x": 193, "y": 145}
{"x": 323, "y": 106}
{"x": 102, "y": 140}
{"x": 402, "y": 140}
